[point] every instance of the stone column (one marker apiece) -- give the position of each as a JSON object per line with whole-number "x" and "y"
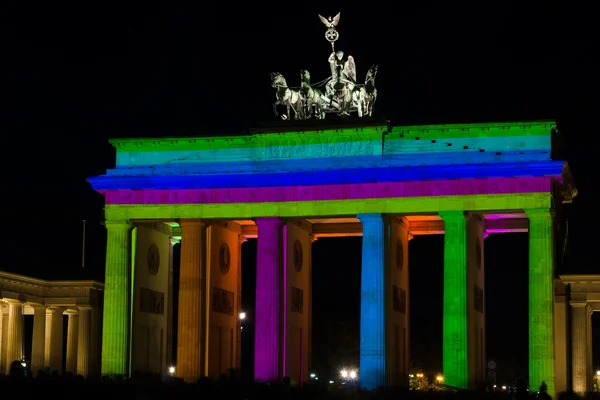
{"x": 192, "y": 273}
{"x": 172, "y": 242}
{"x": 455, "y": 363}
{"x": 56, "y": 339}
{"x": 238, "y": 353}
{"x": 38, "y": 343}
{"x": 83, "y": 340}
{"x": 115, "y": 326}
{"x": 14, "y": 345}
{"x": 47, "y": 337}
{"x": 267, "y": 343}
{"x": 2, "y": 341}
{"x": 372, "y": 304}
{"x": 72, "y": 341}
{"x": 541, "y": 298}
{"x": 579, "y": 346}
{"x": 590, "y": 341}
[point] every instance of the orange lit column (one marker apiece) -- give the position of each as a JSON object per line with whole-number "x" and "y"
{"x": 192, "y": 275}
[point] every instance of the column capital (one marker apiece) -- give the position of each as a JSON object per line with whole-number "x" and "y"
{"x": 36, "y": 306}
{"x": 84, "y": 307}
{"x": 173, "y": 240}
{"x": 370, "y": 218}
{"x": 56, "y": 310}
{"x": 312, "y": 237}
{"x": 539, "y": 213}
{"x": 118, "y": 225}
{"x": 578, "y": 304}
{"x": 13, "y": 302}
{"x": 452, "y": 215}
{"x": 268, "y": 221}
{"x": 71, "y": 311}
{"x": 190, "y": 222}
{"x": 242, "y": 239}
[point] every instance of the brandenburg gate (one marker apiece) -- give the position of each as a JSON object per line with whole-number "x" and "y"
{"x": 289, "y": 186}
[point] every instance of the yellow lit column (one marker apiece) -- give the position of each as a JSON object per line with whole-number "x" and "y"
{"x": 47, "y": 337}
{"x": 56, "y": 339}
{"x": 541, "y": 298}
{"x": 115, "y": 326}
{"x": 14, "y": 345}
{"x": 172, "y": 242}
{"x": 3, "y": 329}
{"x": 579, "y": 346}
{"x": 192, "y": 273}
{"x": 38, "y": 342}
{"x": 590, "y": 365}
{"x": 83, "y": 340}
{"x": 72, "y": 333}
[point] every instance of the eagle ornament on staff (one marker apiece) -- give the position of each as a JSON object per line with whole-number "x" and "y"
{"x": 343, "y": 95}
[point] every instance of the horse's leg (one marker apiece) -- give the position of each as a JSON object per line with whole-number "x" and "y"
{"x": 275, "y": 108}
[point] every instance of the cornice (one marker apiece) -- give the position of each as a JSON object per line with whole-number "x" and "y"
{"x": 362, "y": 175}
{"x": 26, "y": 280}
{"x": 583, "y": 278}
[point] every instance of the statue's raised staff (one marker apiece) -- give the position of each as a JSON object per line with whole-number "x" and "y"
{"x": 343, "y": 94}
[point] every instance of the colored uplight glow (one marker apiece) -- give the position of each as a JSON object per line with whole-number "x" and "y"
{"x": 454, "y": 360}
{"x": 266, "y": 342}
{"x": 541, "y": 297}
{"x": 372, "y": 306}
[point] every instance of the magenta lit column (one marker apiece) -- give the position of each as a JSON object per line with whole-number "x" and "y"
{"x": 268, "y": 299}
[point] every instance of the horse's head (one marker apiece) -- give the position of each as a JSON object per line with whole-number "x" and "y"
{"x": 372, "y": 73}
{"x": 277, "y": 80}
{"x": 304, "y": 75}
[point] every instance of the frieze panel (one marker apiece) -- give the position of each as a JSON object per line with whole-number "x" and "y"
{"x": 119, "y": 212}
{"x": 334, "y": 192}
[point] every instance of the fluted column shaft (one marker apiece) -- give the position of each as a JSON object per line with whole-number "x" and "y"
{"x": 48, "y": 337}
{"x": 115, "y": 326}
{"x": 579, "y": 346}
{"x": 238, "y": 352}
{"x": 268, "y": 299}
{"x": 541, "y": 298}
{"x": 372, "y": 304}
{"x": 170, "y": 305}
{"x": 192, "y": 272}
{"x": 56, "y": 339}
{"x": 83, "y": 341}
{"x": 72, "y": 333}
{"x": 38, "y": 343}
{"x": 455, "y": 362}
{"x": 14, "y": 347}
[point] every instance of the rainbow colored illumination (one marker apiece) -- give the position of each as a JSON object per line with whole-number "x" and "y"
{"x": 366, "y": 171}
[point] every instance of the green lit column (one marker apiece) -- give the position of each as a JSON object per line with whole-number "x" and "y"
{"x": 455, "y": 340}
{"x": 115, "y": 326}
{"x": 541, "y": 295}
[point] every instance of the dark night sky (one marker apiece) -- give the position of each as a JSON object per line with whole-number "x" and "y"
{"x": 73, "y": 76}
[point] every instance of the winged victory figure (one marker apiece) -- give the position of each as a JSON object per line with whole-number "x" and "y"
{"x": 331, "y": 22}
